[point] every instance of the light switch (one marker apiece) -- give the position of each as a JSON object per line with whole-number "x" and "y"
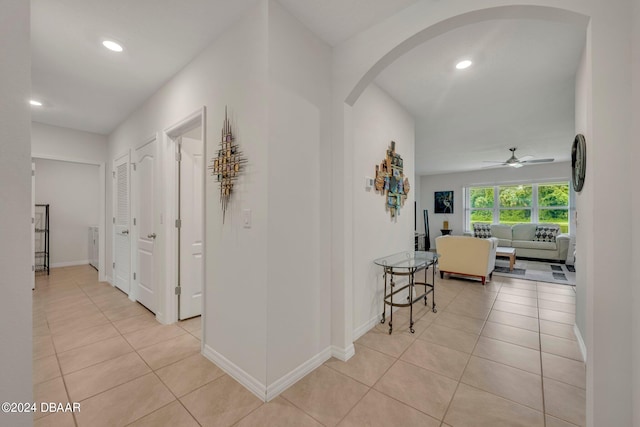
{"x": 246, "y": 218}
{"x": 368, "y": 183}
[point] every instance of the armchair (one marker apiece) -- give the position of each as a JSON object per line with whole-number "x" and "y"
{"x": 466, "y": 256}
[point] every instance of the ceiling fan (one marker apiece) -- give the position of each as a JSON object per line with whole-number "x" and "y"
{"x": 514, "y": 162}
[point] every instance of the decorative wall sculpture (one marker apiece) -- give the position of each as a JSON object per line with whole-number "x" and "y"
{"x": 227, "y": 165}
{"x": 391, "y": 182}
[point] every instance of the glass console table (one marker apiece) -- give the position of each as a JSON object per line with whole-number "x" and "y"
{"x": 407, "y": 264}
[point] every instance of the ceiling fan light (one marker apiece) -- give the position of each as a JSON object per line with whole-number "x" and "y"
{"x": 516, "y": 165}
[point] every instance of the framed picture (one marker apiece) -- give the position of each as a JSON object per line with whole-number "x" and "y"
{"x": 443, "y": 202}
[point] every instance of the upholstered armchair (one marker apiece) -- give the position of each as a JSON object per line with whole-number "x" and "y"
{"x": 468, "y": 256}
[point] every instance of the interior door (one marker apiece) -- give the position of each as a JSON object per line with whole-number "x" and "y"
{"x": 33, "y": 224}
{"x": 121, "y": 220}
{"x": 191, "y": 231}
{"x": 144, "y": 174}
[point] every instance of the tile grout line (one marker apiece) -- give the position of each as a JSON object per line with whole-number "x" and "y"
{"x": 544, "y": 407}
{"x": 446, "y": 411}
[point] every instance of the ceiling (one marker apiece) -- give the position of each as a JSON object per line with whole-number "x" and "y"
{"x": 519, "y": 92}
{"x": 86, "y": 87}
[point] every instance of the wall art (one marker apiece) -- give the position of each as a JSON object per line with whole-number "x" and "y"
{"x": 227, "y": 164}
{"x": 443, "y": 202}
{"x": 391, "y": 182}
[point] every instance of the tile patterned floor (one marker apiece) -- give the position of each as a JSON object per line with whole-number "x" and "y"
{"x": 500, "y": 355}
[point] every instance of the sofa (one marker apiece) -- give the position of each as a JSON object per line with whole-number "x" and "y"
{"x": 467, "y": 256}
{"x": 531, "y": 240}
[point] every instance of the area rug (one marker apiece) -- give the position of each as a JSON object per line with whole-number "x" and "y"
{"x": 538, "y": 271}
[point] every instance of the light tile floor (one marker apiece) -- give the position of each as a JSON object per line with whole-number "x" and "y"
{"x": 500, "y": 355}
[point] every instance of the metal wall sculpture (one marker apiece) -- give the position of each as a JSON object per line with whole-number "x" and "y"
{"x": 227, "y": 165}
{"x": 391, "y": 182}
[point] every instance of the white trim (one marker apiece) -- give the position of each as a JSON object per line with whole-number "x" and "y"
{"x": 186, "y": 124}
{"x": 168, "y": 303}
{"x": 102, "y": 222}
{"x": 70, "y": 263}
{"x": 366, "y": 327}
{"x": 581, "y": 344}
{"x": 108, "y": 280}
{"x": 343, "y": 354}
{"x": 66, "y": 159}
{"x": 238, "y": 374}
{"x": 297, "y": 374}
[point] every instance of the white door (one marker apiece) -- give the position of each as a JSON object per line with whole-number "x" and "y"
{"x": 145, "y": 197}
{"x": 121, "y": 239}
{"x": 191, "y": 231}
{"x": 33, "y": 224}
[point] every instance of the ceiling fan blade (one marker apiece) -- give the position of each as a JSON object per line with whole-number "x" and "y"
{"x": 525, "y": 158}
{"x": 537, "y": 161}
{"x": 493, "y": 161}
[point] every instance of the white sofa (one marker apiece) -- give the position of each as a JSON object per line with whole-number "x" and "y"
{"x": 523, "y": 238}
{"x": 468, "y": 256}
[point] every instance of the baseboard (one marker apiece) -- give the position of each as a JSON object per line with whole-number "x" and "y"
{"x": 343, "y": 354}
{"x": 108, "y": 280}
{"x": 583, "y": 347}
{"x": 363, "y": 329}
{"x": 69, "y": 263}
{"x": 370, "y": 324}
{"x": 249, "y": 382}
{"x": 297, "y": 374}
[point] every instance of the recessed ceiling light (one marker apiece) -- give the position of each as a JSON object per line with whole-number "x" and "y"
{"x": 35, "y": 103}
{"x": 111, "y": 45}
{"x": 463, "y": 64}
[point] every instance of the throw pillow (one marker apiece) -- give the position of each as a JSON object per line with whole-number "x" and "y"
{"x": 481, "y": 230}
{"x": 546, "y": 233}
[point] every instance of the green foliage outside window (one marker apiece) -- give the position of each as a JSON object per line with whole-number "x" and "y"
{"x": 517, "y": 204}
{"x": 481, "y": 197}
{"x": 517, "y": 196}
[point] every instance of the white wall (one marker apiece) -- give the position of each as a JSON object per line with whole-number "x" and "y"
{"x": 298, "y": 322}
{"x": 73, "y": 193}
{"x": 266, "y": 296}
{"x": 232, "y": 71}
{"x": 635, "y": 279}
{"x": 54, "y": 142}
{"x": 552, "y": 172}
{"x": 15, "y": 210}
{"x": 584, "y": 221}
{"x": 377, "y": 120}
{"x": 609, "y": 317}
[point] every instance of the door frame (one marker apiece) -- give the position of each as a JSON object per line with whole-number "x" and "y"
{"x": 135, "y": 200}
{"x": 102, "y": 222}
{"x": 168, "y": 299}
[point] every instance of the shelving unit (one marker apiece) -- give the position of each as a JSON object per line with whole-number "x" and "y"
{"x": 42, "y": 239}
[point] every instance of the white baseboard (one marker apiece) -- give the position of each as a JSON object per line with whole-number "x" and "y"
{"x": 370, "y": 324}
{"x": 238, "y": 374}
{"x": 581, "y": 344}
{"x": 108, "y": 280}
{"x": 363, "y": 329}
{"x": 69, "y": 263}
{"x": 343, "y": 354}
{"x": 297, "y": 374}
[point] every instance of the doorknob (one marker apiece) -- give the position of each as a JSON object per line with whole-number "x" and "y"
{"x": 125, "y": 231}
{"x": 151, "y": 236}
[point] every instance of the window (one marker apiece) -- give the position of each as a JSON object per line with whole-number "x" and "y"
{"x": 515, "y": 204}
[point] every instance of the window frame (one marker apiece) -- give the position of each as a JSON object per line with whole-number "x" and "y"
{"x": 534, "y": 208}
